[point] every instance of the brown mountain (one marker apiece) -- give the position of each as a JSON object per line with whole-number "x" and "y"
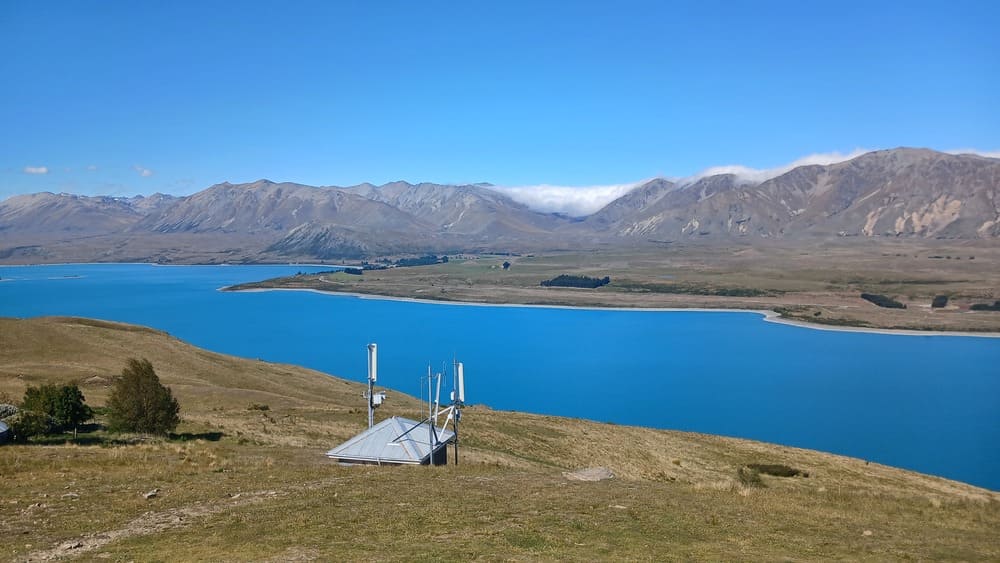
{"x": 265, "y": 207}
{"x": 49, "y": 215}
{"x": 898, "y": 193}
{"x": 465, "y": 210}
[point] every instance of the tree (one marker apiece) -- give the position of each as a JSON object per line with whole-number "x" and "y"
{"x": 64, "y": 404}
{"x": 26, "y": 424}
{"x": 140, "y": 403}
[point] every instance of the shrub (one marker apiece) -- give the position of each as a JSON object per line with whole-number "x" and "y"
{"x": 26, "y": 424}
{"x": 882, "y": 301}
{"x": 64, "y": 405}
{"x": 749, "y": 477}
{"x": 140, "y": 403}
{"x": 939, "y": 301}
{"x": 774, "y": 469}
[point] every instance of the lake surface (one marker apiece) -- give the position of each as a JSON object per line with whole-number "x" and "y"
{"x": 929, "y": 403}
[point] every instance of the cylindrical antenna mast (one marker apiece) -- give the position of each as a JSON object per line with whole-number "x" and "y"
{"x": 458, "y": 399}
{"x": 372, "y": 377}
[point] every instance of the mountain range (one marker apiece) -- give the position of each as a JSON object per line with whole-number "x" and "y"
{"x": 903, "y": 192}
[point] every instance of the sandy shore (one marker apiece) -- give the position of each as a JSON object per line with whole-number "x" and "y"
{"x": 767, "y": 314}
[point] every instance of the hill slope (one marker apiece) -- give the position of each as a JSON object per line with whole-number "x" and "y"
{"x": 253, "y": 484}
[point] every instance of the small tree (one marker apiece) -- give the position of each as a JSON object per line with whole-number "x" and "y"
{"x": 26, "y": 424}
{"x": 140, "y": 403}
{"x": 64, "y": 404}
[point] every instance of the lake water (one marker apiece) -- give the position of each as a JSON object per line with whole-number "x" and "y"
{"x": 929, "y": 403}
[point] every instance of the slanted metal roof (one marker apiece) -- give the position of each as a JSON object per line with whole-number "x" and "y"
{"x": 394, "y": 440}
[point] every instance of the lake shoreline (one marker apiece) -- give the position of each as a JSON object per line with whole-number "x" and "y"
{"x": 767, "y": 314}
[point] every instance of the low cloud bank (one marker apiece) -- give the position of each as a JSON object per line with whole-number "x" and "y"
{"x": 573, "y": 201}
{"x": 759, "y": 175}
{"x": 585, "y": 200}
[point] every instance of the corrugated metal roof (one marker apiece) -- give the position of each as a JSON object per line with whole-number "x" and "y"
{"x": 394, "y": 440}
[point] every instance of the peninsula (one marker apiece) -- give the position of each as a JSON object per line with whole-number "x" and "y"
{"x": 818, "y": 284}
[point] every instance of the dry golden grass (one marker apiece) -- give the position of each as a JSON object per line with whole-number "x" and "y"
{"x": 254, "y": 485}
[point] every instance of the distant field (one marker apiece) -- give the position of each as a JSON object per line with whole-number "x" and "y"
{"x": 819, "y": 284}
{"x": 239, "y": 483}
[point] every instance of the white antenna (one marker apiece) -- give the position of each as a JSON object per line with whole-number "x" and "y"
{"x": 373, "y": 362}
{"x": 374, "y": 399}
{"x": 457, "y": 401}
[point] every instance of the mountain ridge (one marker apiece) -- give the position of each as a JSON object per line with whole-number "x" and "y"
{"x": 903, "y": 192}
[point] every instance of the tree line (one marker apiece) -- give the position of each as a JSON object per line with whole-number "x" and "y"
{"x": 566, "y": 280}
{"x": 138, "y": 403}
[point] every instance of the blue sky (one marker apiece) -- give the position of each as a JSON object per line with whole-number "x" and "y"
{"x": 138, "y": 97}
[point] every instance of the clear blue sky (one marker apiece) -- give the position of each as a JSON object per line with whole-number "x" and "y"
{"x": 138, "y": 97}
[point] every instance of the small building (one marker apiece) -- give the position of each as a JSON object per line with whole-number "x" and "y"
{"x": 396, "y": 441}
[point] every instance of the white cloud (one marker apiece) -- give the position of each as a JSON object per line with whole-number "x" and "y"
{"x": 573, "y": 201}
{"x": 92, "y": 167}
{"x": 144, "y": 172}
{"x": 987, "y": 154}
{"x": 758, "y": 175}
{"x": 36, "y": 169}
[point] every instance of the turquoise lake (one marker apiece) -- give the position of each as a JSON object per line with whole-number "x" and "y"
{"x": 929, "y": 403}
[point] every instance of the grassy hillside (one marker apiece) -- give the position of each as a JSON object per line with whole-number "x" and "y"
{"x": 239, "y": 483}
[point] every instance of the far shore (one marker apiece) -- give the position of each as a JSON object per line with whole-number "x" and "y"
{"x": 767, "y": 314}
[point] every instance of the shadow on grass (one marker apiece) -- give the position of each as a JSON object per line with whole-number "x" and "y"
{"x": 185, "y": 436}
{"x": 88, "y": 439}
{"x": 96, "y": 435}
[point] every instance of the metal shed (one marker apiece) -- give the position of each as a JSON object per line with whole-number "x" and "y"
{"x": 396, "y": 441}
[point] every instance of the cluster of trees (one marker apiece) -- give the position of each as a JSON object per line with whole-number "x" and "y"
{"x": 421, "y": 261}
{"x": 50, "y": 408}
{"x": 882, "y": 301}
{"x": 566, "y": 280}
{"x": 138, "y": 403}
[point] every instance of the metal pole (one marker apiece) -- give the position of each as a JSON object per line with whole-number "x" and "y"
{"x": 454, "y": 401}
{"x": 372, "y": 375}
{"x": 430, "y": 416}
{"x": 458, "y": 415}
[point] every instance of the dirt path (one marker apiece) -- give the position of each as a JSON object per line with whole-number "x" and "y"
{"x": 154, "y": 522}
